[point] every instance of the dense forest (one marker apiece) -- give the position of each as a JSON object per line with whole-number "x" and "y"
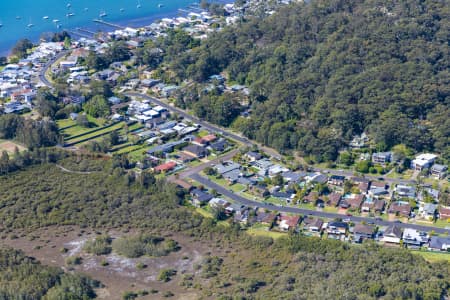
{"x": 23, "y": 277}
{"x": 294, "y": 267}
{"x": 323, "y": 71}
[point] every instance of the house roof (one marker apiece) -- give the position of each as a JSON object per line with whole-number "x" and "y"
{"x": 334, "y": 198}
{"x": 195, "y": 149}
{"x": 291, "y": 221}
{"x": 254, "y": 155}
{"x": 379, "y": 204}
{"x": 364, "y": 229}
{"x": 444, "y": 211}
{"x": 437, "y": 242}
{"x": 311, "y": 197}
{"x": 438, "y": 168}
{"x": 209, "y": 138}
{"x": 393, "y": 230}
{"x": 356, "y": 201}
{"x": 313, "y": 222}
{"x": 403, "y": 208}
{"x": 201, "y": 195}
{"x": 338, "y": 224}
{"x": 337, "y": 177}
{"x": 363, "y": 186}
{"x": 166, "y": 166}
{"x": 265, "y": 217}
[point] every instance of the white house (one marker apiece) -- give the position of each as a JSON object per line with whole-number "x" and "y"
{"x": 423, "y": 161}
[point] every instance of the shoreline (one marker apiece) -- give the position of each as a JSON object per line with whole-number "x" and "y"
{"x": 126, "y": 22}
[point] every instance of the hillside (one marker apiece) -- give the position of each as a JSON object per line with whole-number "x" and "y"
{"x": 321, "y": 72}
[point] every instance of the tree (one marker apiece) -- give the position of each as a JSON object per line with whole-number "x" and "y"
{"x": 21, "y": 48}
{"x": 97, "y": 107}
{"x": 363, "y": 166}
{"x": 83, "y": 121}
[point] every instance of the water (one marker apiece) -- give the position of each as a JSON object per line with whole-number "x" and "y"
{"x": 15, "y": 15}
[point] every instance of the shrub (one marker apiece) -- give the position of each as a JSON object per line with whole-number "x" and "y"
{"x": 99, "y": 246}
{"x": 74, "y": 260}
{"x": 144, "y": 244}
{"x": 165, "y": 275}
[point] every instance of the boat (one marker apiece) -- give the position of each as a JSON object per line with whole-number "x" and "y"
{"x": 103, "y": 14}
{"x": 18, "y": 17}
{"x": 1, "y": 24}
{"x": 70, "y": 15}
{"x": 139, "y": 4}
{"x": 160, "y": 5}
{"x": 86, "y": 9}
{"x": 55, "y": 21}
{"x": 30, "y": 24}
{"x": 122, "y": 9}
{"x": 69, "y": 5}
{"x": 45, "y": 17}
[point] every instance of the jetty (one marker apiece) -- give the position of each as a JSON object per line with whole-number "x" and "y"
{"x": 79, "y": 34}
{"x": 108, "y": 24}
{"x": 86, "y": 31}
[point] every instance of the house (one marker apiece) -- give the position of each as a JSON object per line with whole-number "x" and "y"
{"x": 73, "y": 116}
{"x": 400, "y": 208}
{"x": 378, "y": 205}
{"x": 219, "y": 146}
{"x": 252, "y": 156}
{"x": 218, "y": 203}
{"x": 359, "y": 141}
{"x": 336, "y": 180}
{"x": 282, "y": 195}
{"x": 428, "y": 211}
{"x": 207, "y": 139}
{"x": 241, "y": 217}
{"x": 363, "y": 187}
{"x": 294, "y": 177}
{"x": 232, "y": 176}
{"x": 362, "y": 232}
{"x": 236, "y": 208}
{"x": 444, "y": 213}
{"x": 313, "y": 225}
{"x": 438, "y": 243}
{"x": 227, "y": 166}
{"x": 337, "y": 229}
{"x": 200, "y": 197}
{"x": 317, "y": 178}
{"x": 392, "y": 235}
{"x": 263, "y": 165}
{"x": 114, "y": 100}
{"x": 413, "y": 238}
{"x": 423, "y": 161}
{"x": 438, "y": 171}
{"x": 265, "y": 218}
{"x": 378, "y": 192}
{"x": 196, "y": 150}
{"x": 183, "y": 184}
{"x": 260, "y": 190}
{"x": 356, "y": 201}
{"x": 334, "y": 199}
{"x": 311, "y": 197}
{"x": 288, "y": 222}
{"x": 405, "y": 191}
{"x": 358, "y": 180}
{"x": 166, "y": 167}
{"x": 381, "y": 157}
{"x": 277, "y": 169}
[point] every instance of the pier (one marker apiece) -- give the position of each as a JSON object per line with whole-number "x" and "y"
{"x": 86, "y": 31}
{"x": 79, "y": 34}
{"x": 108, "y": 24}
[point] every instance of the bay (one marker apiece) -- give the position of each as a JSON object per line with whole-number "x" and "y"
{"x": 17, "y": 15}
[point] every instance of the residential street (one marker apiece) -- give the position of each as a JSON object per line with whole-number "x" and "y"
{"x": 220, "y": 189}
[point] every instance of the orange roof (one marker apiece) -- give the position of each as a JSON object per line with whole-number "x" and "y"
{"x": 291, "y": 221}
{"x": 166, "y": 167}
{"x": 209, "y": 138}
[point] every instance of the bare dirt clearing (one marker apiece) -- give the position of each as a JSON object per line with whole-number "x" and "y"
{"x": 53, "y": 245}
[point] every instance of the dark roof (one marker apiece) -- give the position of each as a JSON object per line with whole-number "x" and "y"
{"x": 196, "y": 149}
{"x": 337, "y": 177}
{"x": 219, "y": 145}
{"x": 393, "y": 230}
{"x": 334, "y": 198}
{"x": 201, "y": 196}
{"x": 281, "y": 195}
{"x": 364, "y": 229}
{"x": 338, "y": 224}
{"x": 313, "y": 222}
{"x": 437, "y": 242}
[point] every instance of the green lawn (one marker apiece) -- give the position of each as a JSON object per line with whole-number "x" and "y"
{"x": 65, "y": 123}
{"x": 330, "y": 209}
{"x": 405, "y": 175}
{"x": 262, "y": 230}
{"x": 95, "y": 133}
{"x": 433, "y": 256}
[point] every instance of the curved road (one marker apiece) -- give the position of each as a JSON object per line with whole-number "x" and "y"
{"x": 47, "y": 66}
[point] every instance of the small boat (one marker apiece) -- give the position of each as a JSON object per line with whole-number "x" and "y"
{"x": 55, "y": 21}
{"x": 86, "y": 9}
{"x": 18, "y": 17}
{"x": 139, "y": 4}
{"x": 1, "y": 25}
{"x": 30, "y": 25}
{"x": 45, "y": 17}
{"x": 122, "y": 9}
{"x": 69, "y": 5}
{"x": 103, "y": 14}
{"x": 160, "y": 5}
{"x": 70, "y": 15}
